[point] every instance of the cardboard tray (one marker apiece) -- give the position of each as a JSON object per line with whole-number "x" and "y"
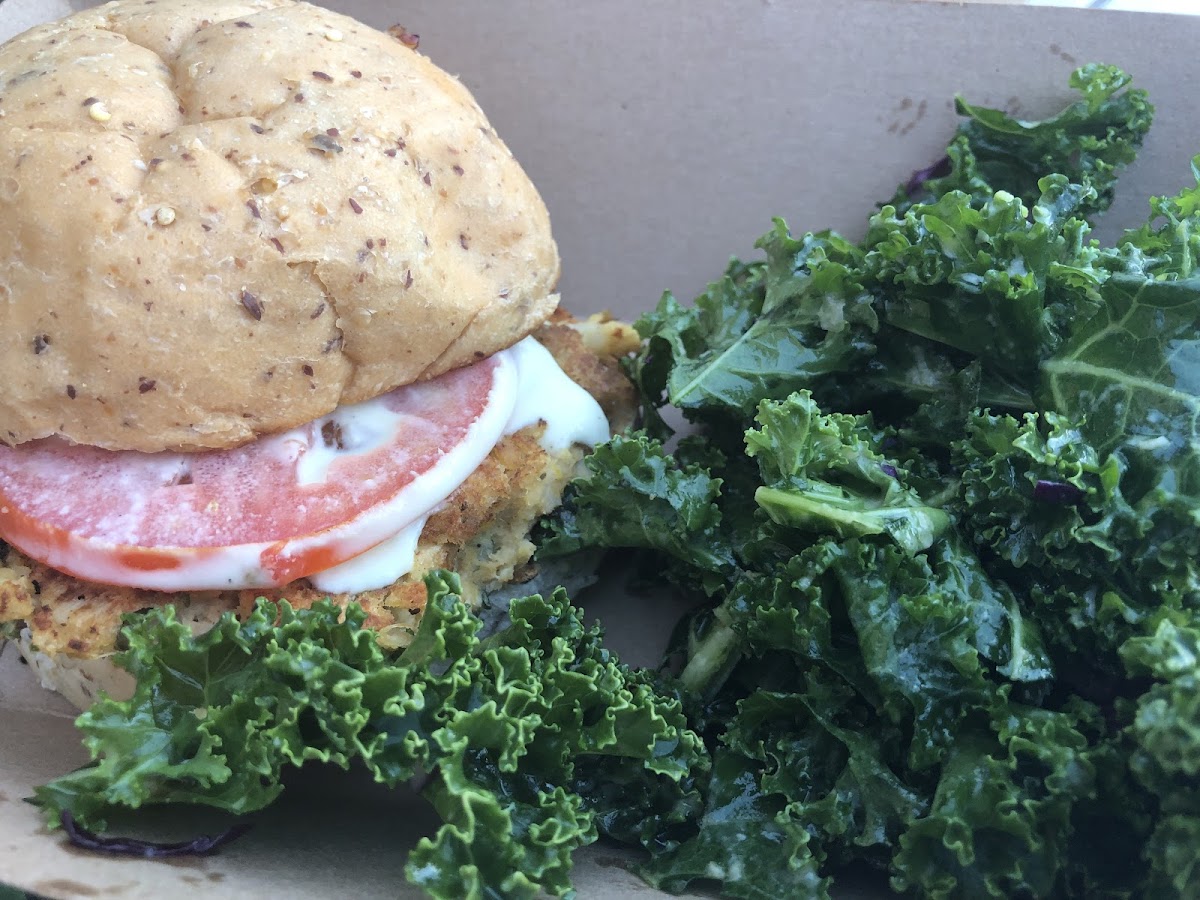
{"x": 663, "y": 137}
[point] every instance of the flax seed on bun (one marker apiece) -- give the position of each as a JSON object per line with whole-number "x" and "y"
{"x": 224, "y": 219}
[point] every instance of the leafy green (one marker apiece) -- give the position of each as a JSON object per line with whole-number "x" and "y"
{"x": 762, "y": 330}
{"x": 515, "y": 730}
{"x": 1171, "y": 250}
{"x": 648, "y": 502}
{"x": 1131, "y": 377}
{"x": 1088, "y": 142}
{"x": 991, "y": 278}
{"x": 1000, "y": 821}
{"x": 825, "y": 473}
{"x": 952, "y": 476}
{"x": 1166, "y": 755}
{"x": 752, "y": 843}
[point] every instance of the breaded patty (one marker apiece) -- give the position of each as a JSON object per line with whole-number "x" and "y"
{"x": 481, "y": 531}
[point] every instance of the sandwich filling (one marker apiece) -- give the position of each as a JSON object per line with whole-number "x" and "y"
{"x": 307, "y": 503}
{"x": 569, "y": 393}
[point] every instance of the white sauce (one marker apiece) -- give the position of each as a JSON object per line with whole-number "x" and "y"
{"x": 362, "y": 428}
{"x": 543, "y": 393}
{"x": 203, "y": 569}
{"x": 378, "y": 567}
{"x": 528, "y": 388}
{"x": 546, "y": 394}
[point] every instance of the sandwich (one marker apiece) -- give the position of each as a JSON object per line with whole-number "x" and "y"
{"x": 278, "y": 318}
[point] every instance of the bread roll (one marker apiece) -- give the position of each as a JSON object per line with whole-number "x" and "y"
{"x": 222, "y": 219}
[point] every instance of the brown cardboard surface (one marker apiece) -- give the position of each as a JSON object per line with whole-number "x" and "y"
{"x": 663, "y": 136}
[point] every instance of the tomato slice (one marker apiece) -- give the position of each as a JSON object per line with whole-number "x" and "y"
{"x": 264, "y": 514}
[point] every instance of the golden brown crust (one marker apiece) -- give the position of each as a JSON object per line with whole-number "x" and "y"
{"x": 220, "y": 219}
{"x": 605, "y": 336}
{"x": 481, "y": 532}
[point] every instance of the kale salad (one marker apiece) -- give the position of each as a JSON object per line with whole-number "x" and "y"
{"x": 938, "y": 508}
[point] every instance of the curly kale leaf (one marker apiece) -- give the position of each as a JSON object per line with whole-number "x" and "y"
{"x": 747, "y": 839}
{"x": 1088, "y": 142}
{"x": 636, "y": 497}
{"x": 993, "y": 279}
{"x": 1031, "y": 489}
{"x": 1130, "y": 378}
{"x": 1040, "y": 496}
{"x": 1166, "y": 755}
{"x": 764, "y": 330}
{"x": 1168, "y": 246}
{"x": 939, "y": 638}
{"x": 512, "y": 728}
{"x": 825, "y": 473}
{"x": 1001, "y": 818}
{"x": 860, "y": 668}
{"x": 1130, "y": 375}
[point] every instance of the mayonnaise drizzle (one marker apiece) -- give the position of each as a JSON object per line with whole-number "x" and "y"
{"x": 378, "y": 567}
{"x": 379, "y": 545}
{"x": 544, "y": 393}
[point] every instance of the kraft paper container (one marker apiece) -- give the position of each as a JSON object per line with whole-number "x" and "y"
{"x": 663, "y": 136}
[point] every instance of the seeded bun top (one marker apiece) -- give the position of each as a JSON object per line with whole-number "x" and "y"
{"x": 220, "y": 219}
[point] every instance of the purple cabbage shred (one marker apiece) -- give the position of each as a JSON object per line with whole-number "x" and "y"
{"x": 916, "y": 181}
{"x": 121, "y": 846}
{"x": 1056, "y": 492}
